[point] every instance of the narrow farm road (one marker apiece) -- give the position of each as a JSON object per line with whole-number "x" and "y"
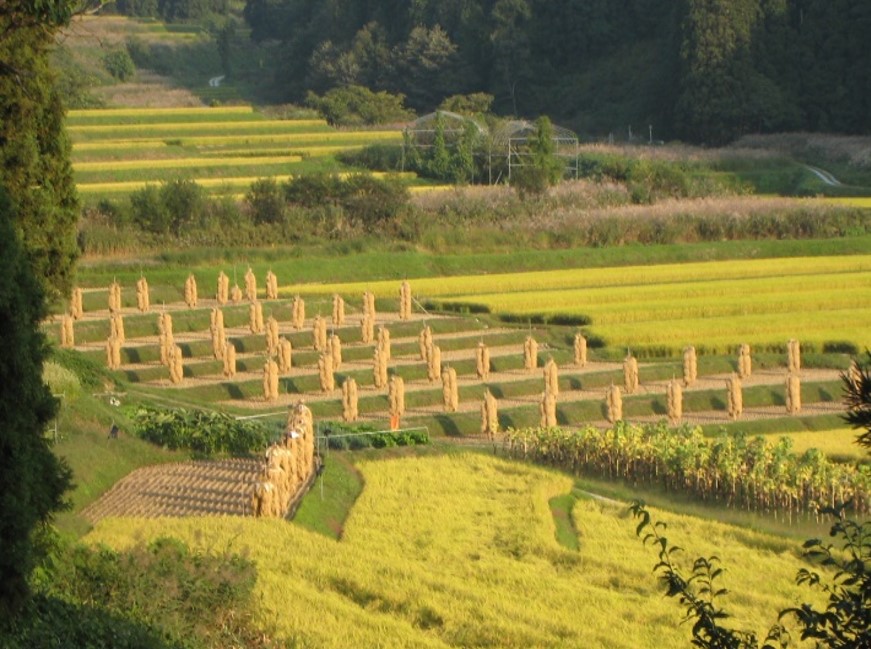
{"x": 825, "y": 176}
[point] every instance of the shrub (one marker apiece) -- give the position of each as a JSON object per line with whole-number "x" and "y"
{"x": 357, "y": 106}
{"x": 204, "y": 433}
{"x": 119, "y": 64}
{"x": 266, "y": 202}
{"x": 342, "y": 437}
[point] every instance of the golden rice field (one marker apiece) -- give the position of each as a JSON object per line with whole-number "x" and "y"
{"x": 838, "y": 443}
{"x": 713, "y": 305}
{"x": 460, "y": 551}
{"x": 225, "y": 149}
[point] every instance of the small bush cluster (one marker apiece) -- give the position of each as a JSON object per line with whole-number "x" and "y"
{"x": 359, "y": 437}
{"x": 162, "y": 594}
{"x": 203, "y": 433}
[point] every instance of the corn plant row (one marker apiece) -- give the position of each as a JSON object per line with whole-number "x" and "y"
{"x": 742, "y": 473}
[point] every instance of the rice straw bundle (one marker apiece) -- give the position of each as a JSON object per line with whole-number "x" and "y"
{"x": 793, "y": 349}
{"x": 335, "y": 349}
{"x": 250, "y": 285}
{"x": 235, "y": 294}
{"x": 580, "y": 349}
{"x": 425, "y": 342}
{"x": 745, "y": 364}
{"x": 793, "y": 393}
{"x": 547, "y": 410}
{"x": 319, "y": 334}
{"x": 434, "y": 363}
{"x": 614, "y": 404}
{"x": 690, "y": 369}
{"x": 530, "y": 353}
{"x": 285, "y": 355}
{"x": 270, "y": 380}
{"x": 735, "y": 398}
{"x": 165, "y": 337}
{"x": 489, "y": 416}
{"x": 450, "y": 393}
{"x": 255, "y": 317}
{"x": 114, "y": 297}
{"x": 630, "y": 374}
{"x": 229, "y": 360}
{"x": 405, "y": 301}
{"x": 271, "y": 335}
{"x": 143, "y": 300}
{"x": 551, "y": 377}
{"x": 219, "y": 337}
{"x": 325, "y": 373}
{"x": 396, "y": 399}
{"x": 223, "y": 293}
{"x": 297, "y": 317}
{"x": 67, "y": 334}
{"x": 338, "y": 310}
{"x": 854, "y": 374}
{"x": 482, "y": 361}
{"x": 176, "y": 365}
{"x": 113, "y": 353}
{"x": 191, "y": 298}
{"x": 116, "y": 327}
{"x": 367, "y": 329}
{"x": 674, "y": 398}
{"x": 349, "y": 400}
{"x": 76, "y": 304}
{"x": 271, "y": 286}
{"x": 369, "y": 304}
{"x": 379, "y": 370}
{"x": 384, "y": 340}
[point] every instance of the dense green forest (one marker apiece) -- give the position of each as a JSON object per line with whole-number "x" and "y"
{"x": 700, "y": 70}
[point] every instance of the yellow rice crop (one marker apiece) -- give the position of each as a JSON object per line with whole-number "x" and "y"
{"x": 181, "y": 163}
{"x": 440, "y": 549}
{"x": 133, "y": 112}
{"x": 194, "y": 127}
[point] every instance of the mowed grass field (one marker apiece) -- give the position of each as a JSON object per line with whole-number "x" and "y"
{"x": 822, "y": 301}
{"x": 118, "y": 151}
{"x": 460, "y": 550}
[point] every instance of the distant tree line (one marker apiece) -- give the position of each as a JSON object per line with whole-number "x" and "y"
{"x": 171, "y": 10}
{"x": 701, "y": 70}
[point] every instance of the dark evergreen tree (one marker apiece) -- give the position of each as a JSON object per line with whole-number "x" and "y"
{"x": 32, "y": 479}
{"x": 34, "y": 150}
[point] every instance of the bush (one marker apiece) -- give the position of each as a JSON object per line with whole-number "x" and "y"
{"x": 170, "y": 208}
{"x": 343, "y": 437}
{"x": 265, "y": 201}
{"x": 203, "y": 433}
{"x": 358, "y": 106}
{"x": 162, "y": 594}
{"x": 119, "y": 64}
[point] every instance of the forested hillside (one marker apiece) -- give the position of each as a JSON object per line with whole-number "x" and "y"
{"x": 700, "y": 70}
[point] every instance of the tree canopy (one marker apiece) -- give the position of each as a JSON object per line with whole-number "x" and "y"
{"x": 32, "y": 479}
{"x": 703, "y": 70}
{"x": 34, "y": 150}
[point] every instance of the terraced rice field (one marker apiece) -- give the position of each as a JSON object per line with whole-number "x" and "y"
{"x": 225, "y": 149}
{"x": 460, "y": 551}
{"x": 518, "y": 390}
{"x": 823, "y": 301}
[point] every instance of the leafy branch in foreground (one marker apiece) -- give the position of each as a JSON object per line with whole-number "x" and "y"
{"x": 845, "y": 622}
